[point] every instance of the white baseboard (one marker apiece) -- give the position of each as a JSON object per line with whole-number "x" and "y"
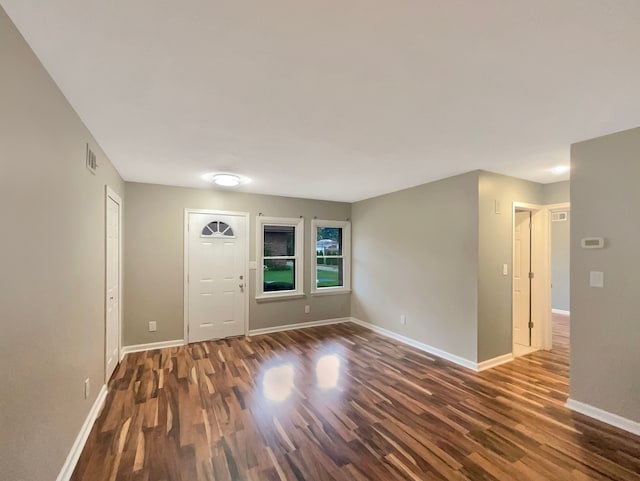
{"x": 604, "y": 416}
{"x": 560, "y": 311}
{"x": 81, "y": 439}
{"x": 496, "y": 361}
{"x": 418, "y": 345}
{"x": 150, "y": 346}
{"x": 254, "y": 332}
{"x": 300, "y": 325}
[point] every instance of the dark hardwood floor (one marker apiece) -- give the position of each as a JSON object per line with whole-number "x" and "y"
{"x": 342, "y": 403}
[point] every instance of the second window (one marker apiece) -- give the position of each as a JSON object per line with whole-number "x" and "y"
{"x": 331, "y": 262}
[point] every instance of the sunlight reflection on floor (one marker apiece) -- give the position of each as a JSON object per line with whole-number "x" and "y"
{"x": 328, "y": 371}
{"x": 277, "y": 384}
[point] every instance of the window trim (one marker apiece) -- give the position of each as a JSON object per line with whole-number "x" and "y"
{"x": 346, "y": 256}
{"x": 298, "y": 225}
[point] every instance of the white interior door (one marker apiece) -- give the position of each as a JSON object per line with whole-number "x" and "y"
{"x": 215, "y": 277}
{"x": 521, "y": 281}
{"x": 112, "y": 329}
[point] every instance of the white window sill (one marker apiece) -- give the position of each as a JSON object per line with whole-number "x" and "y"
{"x": 329, "y": 291}
{"x": 280, "y": 297}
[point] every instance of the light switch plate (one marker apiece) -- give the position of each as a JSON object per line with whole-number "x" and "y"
{"x": 505, "y": 269}
{"x": 596, "y": 279}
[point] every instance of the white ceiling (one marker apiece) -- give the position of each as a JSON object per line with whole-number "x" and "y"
{"x": 340, "y": 100}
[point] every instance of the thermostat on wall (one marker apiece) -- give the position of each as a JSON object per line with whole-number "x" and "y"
{"x": 592, "y": 243}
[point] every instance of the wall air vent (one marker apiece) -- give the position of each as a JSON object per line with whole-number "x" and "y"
{"x": 91, "y": 160}
{"x": 559, "y": 216}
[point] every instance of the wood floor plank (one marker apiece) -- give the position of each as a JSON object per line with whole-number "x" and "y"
{"x": 341, "y": 403}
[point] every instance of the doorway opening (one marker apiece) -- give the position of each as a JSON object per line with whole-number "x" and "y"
{"x": 531, "y": 303}
{"x": 559, "y": 232}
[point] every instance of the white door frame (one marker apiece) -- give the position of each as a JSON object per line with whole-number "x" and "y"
{"x": 541, "y": 267}
{"x": 186, "y": 264}
{"x": 109, "y": 193}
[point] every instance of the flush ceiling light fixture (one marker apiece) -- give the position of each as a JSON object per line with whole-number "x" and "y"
{"x": 226, "y": 179}
{"x": 560, "y": 169}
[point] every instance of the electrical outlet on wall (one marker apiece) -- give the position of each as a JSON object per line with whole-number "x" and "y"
{"x": 403, "y": 319}
{"x": 307, "y": 309}
{"x": 87, "y": 388}
{"x": 152, "y": 326}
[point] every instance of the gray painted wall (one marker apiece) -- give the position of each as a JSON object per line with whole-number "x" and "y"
{"x": 416, "y": 253}
{"x": 154, "y": 222}
{"x": 605, "y": 333}
{"x": 52, "y": 258}
{"x": 556, "y": 193}
{"x": 440, "y": 313}
{"x": 495, "y": 249}
{"x": 560, "y": 245}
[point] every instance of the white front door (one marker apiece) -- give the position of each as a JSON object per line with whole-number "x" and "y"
{"x": 216, "y": 276}
{"x": 112, "y": 330}
{"x": 521, "y": 281}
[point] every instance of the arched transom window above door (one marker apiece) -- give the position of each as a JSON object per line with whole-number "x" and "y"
{"x": 217, "y": 229}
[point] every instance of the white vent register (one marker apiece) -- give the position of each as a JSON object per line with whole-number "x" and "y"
{"x": 559, "y": 216}
{"x": 91, "y": 160}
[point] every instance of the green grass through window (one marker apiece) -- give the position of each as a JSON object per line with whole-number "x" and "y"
{"x": 285, "y": 275}
{"x": 328, "y": 278}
